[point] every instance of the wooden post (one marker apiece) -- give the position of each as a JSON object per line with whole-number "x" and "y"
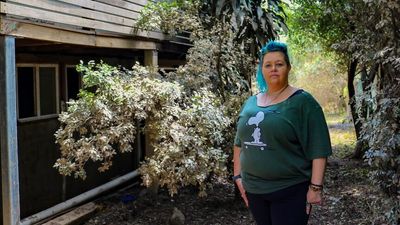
{"x": 151, "y": 58}
{"x": 8, "y": 132}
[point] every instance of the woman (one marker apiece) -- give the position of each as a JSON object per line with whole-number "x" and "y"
{"x": 281, "y": 146}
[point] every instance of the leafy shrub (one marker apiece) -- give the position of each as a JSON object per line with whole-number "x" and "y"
{"x": 101, "y": 121}
{"x": 192, "y": 128}
{"x": 189, "y": 128}
{"x": 382, "y": 133}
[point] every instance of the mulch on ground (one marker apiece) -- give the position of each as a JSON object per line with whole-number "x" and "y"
{"x": 349, "y": 199}
{"x": 348, "y": 196}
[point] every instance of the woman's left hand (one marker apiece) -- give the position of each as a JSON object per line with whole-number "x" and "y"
{"x": 313, "y": 197}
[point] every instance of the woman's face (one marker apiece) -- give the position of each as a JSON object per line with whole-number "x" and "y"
{"x": 275, "y": 69}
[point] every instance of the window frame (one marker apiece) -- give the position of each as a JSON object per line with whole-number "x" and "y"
{"x": 36, "y": 87}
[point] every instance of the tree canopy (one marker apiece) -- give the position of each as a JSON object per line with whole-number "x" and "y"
{"x": 365, "y": 36}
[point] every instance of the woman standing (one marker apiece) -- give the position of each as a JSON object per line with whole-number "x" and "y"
{"x": 281, "y": 145}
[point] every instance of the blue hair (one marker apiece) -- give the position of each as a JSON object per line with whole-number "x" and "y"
{"x": 271, "y": 46}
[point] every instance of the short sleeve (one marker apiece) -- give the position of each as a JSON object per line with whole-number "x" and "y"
{"x": 315, "y": 138}
{"x": 237, "y": 142}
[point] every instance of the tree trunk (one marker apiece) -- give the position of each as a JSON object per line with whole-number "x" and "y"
{"x": 351, "y": 73}
{"x": 366, "y": 81}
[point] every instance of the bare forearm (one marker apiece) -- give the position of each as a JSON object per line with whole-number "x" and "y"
{"x": 236, "y": 160}
{"x": 318, "y": 170}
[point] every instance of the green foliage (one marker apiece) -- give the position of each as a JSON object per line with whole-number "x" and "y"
{"x": 256, "y": 20}
{"x": 322, "y": 22}
{"x": 188, "y": 146}
{"x": 218, "y": 64}
{"x": 366, "y": 32}
{"x": 171, "y": 17}
{"x": 314, "y": 69}
{"x": 189, "y": 128}
{"x": 382, "y": 133}
{"x": 320, "y": 75}
{"x": 100, "y": 122}
{"x": 253, "y": 21}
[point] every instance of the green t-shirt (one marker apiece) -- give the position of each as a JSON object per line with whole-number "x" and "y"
{"x": 279, "y": 142}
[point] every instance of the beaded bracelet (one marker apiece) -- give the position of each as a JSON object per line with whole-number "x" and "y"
{"x": 316, "y": 187}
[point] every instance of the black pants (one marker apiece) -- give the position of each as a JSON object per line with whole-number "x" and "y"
{"x": 283, "y": 207}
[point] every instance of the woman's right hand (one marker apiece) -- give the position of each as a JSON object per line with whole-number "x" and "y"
{"x": 242, "y": 191}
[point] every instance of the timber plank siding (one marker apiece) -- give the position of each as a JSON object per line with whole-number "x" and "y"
{"x": 94, "y": 18}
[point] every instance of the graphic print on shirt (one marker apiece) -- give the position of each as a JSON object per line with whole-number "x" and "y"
{"x": 257, "y": 131}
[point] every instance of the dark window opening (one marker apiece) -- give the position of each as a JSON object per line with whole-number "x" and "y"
{"x": 48, "y": 91}
{"x": 26, "y": 91}
{"x": 73, "y": 83}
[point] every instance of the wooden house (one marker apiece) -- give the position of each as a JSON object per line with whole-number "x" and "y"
{"x": 41, "y": 41}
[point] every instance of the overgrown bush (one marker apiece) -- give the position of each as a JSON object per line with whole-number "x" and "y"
{"x": 188, "y": 113}
{"x": 103, "y": 119}
{"x": 189, "y": 128}
{"x": 382, "y": 133}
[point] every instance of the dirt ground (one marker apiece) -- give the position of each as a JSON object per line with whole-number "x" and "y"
{"x": 349, "y": 198}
